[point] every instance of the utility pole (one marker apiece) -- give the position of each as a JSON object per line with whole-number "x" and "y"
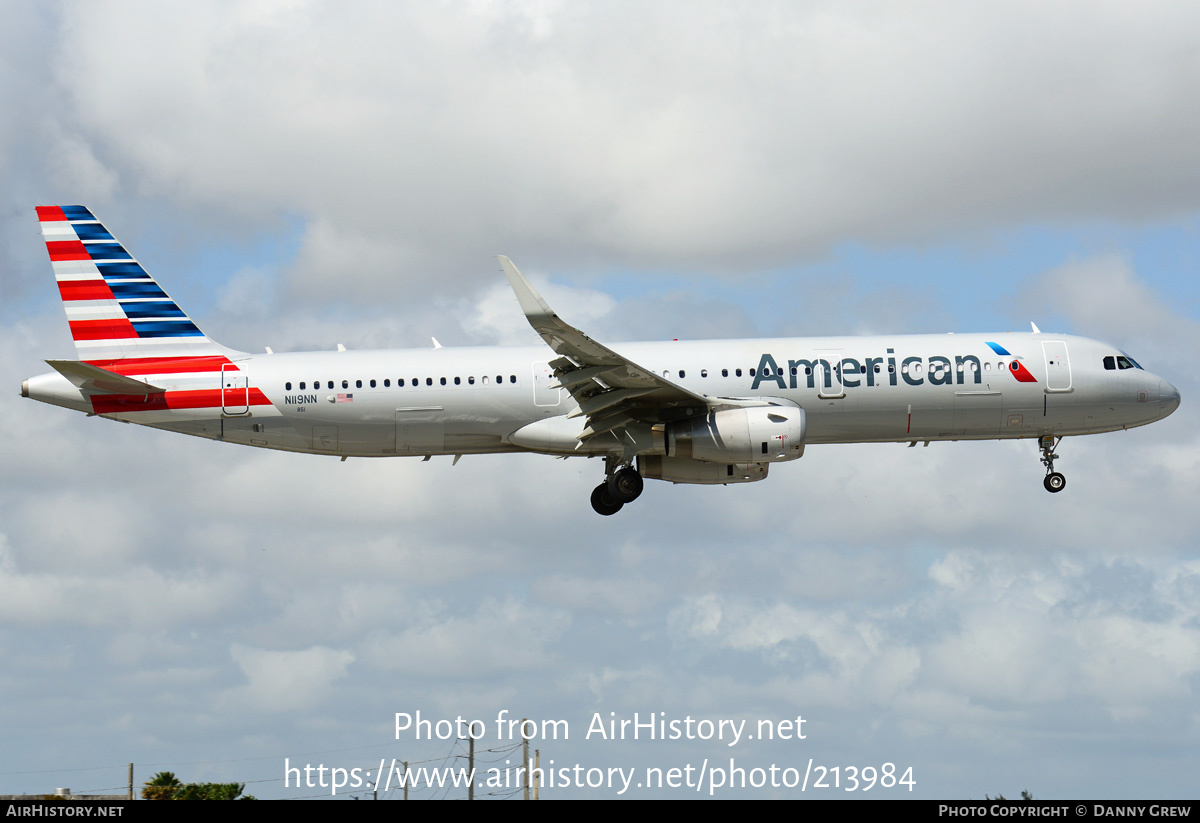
{"x": 131, "y": 781}
{"x": 471, "y": 770}
{"x": 406, "y": 780}
{"x": 537, "y": 760}
{"x": 525, "y": 759}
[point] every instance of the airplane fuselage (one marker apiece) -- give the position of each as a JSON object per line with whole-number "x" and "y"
{"x": 473, "y": 400}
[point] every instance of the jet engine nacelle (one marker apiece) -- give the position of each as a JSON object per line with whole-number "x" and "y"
{"x": 758, "y": 434}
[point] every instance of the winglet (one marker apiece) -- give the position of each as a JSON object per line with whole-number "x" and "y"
{"x": 1036, "y": 330}
{"x": 536, "y": 309}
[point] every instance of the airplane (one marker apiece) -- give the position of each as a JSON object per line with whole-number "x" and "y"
{"x": 699, "y": 412}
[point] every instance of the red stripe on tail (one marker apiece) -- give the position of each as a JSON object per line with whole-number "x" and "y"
{"x": 66, "y": 250}
{"x": 115, "y": 329}
{"x": 162, "y": 365}
{"x": 197, "y": 399}
{"x": 84, "y": 290}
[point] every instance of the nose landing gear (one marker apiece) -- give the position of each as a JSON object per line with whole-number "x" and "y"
{"x": 622, "y": 486}
{"x": 1055, "y": 481}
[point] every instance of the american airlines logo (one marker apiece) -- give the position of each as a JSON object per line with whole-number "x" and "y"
{"x": 851, "y": 373}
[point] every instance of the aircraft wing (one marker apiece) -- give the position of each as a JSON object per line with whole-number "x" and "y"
{"x": 614, "y": 392}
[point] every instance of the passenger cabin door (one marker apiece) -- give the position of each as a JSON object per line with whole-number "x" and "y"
{"x": 1058, "y": 366}
{"x": 235, "y": 390}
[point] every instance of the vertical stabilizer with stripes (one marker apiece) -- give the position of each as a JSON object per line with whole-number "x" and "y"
{"x": 114, "y": 307}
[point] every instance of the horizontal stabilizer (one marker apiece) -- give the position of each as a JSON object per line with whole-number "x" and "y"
{"x": 95, "y": 380}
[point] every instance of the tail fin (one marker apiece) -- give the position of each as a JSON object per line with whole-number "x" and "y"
{"x": 115, "y": 309}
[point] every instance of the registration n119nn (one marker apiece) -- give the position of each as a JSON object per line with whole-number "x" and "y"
{"x": 711, "y": 412}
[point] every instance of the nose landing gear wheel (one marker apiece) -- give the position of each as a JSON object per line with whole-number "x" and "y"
{"x": 603, "y": 501}
{"x": 1054, "y": 481}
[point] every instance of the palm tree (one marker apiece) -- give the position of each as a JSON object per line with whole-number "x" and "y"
{"x": 162, "y": 786}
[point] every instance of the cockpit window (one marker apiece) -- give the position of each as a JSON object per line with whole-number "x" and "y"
{"x": 1121, "y": 361}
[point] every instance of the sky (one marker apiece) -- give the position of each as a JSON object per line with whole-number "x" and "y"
{"x": 303, "y": 174}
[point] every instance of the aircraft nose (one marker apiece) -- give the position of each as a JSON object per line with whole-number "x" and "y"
{"x": 1168, "y": 396}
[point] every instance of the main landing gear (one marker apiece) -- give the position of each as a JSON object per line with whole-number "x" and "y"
{"x": 1054, "y": 481}
{"x": 623, "y": 485}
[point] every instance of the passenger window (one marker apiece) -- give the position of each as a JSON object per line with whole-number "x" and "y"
{"x": 724, "y": 372}
{"x": 737, "y": 372}
{"x": 331, "y": 384}
{"x": 752, "y": 372}
{"x": 345, "y": 384}
{"x": 704, "y": 372}
{"x": 387, "y": 383}
{"x": 358, "y": 384}
{"x": 372, "y": 384}
{"x": 512, "y": 378}
{"x": 681, "y": 373}
{"x": 287, "y": 386}
{"x": 458, "y": 381}
{"x": 499, "y": 379}
{"x": 471, "y": 381}
{"x": 443, "y": 380}
{"x": 428, "y": 381}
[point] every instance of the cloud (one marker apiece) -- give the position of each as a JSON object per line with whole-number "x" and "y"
{"x": 287, "y": 681}
{"x": 418, "y": 141}
{"x": 303, "y": 175}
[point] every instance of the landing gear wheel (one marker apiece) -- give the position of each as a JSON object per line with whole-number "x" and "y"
{"x": 1054, "y": 481}
{"x": 625, "y": 485}
{"x": 603, "y": 501}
